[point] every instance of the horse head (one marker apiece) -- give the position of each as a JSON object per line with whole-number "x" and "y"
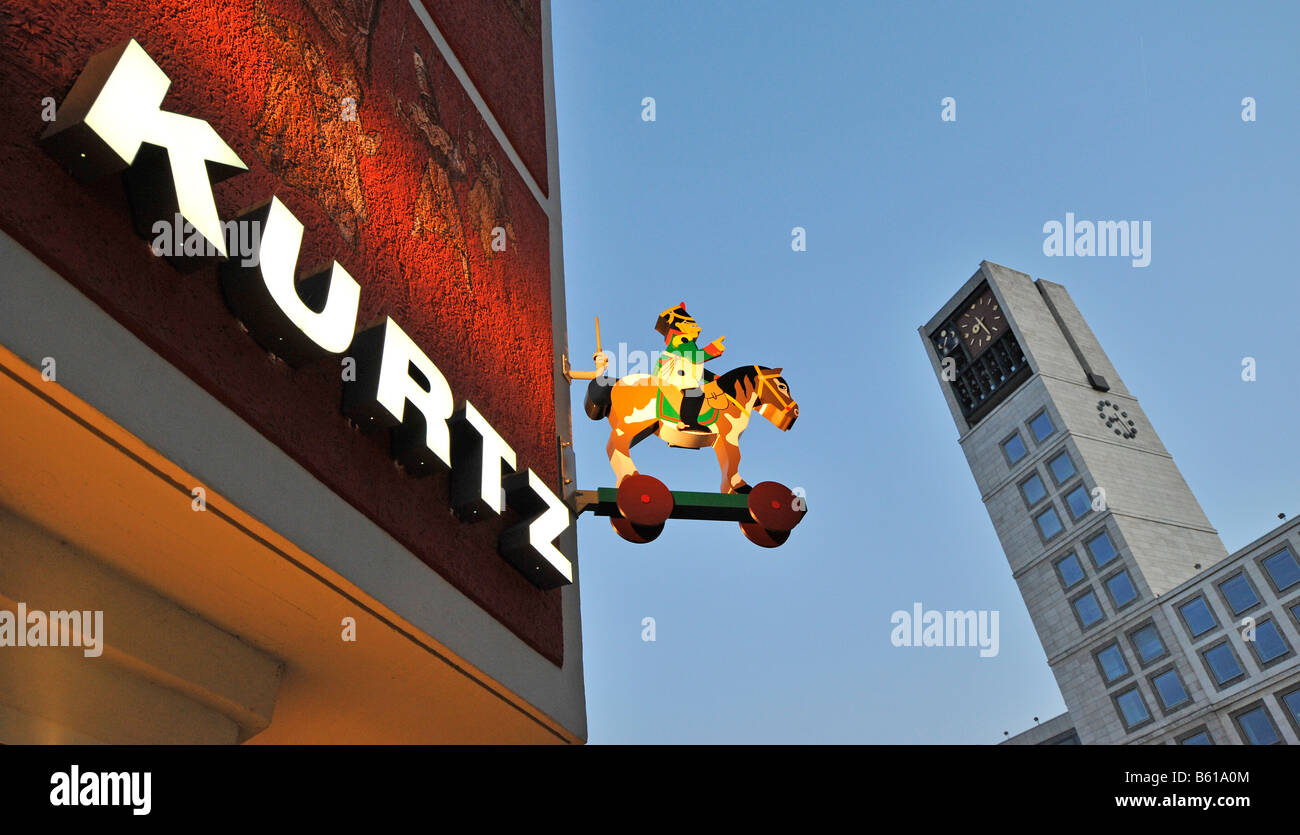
{"x": 774, "y": 399}
{"x": 764, "y": 389}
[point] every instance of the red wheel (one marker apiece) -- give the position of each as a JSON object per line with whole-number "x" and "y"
{"x": 640, "y": 534}
{"x": 772, "y": 505}
{"x": 759, "y": 535}
{"x": 644, "y": 500}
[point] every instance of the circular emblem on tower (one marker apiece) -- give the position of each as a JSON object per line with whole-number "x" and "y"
{"x": 1116, "y": 419}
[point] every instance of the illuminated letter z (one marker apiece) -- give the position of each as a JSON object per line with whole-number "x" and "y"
{"x": 528, "y": 545}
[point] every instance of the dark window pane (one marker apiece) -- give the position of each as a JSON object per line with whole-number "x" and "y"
{"x": 1049, "y": 523}
{"x": 1112, "y": 662}
{"x": 1223, "y": 664}
{"x": 1101, "y": 549}
{"x": 1283, "y": 569}
{"x": 1201, "y": 738}
{"x": 1042, "y": 427}
{"x": 1148, "y": 644}
{"x": 1239, "y": 594}
{"x": 1062, "y": 467}
{"x": 1292, "y": 703}
{"x": 1130, "y": 704}
{"x": 1268, "y": 642}
{"x": 1071, "y": 571}
{"x": 1034, "y": 490}
{"x": 1121, "y": 589}
{"x": 1170, "y": 688}
{"x": 1198, "y": 617}
{"x": 1257, "y": 727}
{"x": 1015, "y": 448}
{"x": 1088, "y": 608}
{"x": 1079, "y": 502}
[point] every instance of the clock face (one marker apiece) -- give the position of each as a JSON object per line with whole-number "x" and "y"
{"x": 1113, "y": 417}
{"x": 981, "y": 323}
{"x": 946, "y": 339}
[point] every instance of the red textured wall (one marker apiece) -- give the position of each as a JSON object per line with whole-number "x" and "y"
{"x": 505, "y": 38}
{"x": 404, "y": 198}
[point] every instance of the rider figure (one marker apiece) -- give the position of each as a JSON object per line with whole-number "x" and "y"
{"x": 682, "y": 365}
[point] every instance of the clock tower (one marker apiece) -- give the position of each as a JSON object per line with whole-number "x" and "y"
{"x": 1089, "y": 506}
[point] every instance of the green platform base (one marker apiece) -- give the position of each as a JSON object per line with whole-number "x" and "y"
{"x": 687, "y": 504}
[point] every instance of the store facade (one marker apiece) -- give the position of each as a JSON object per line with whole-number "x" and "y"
{"x": 335, "y": 511}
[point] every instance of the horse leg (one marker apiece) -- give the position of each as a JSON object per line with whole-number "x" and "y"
{"x": 632, "y": 413}
{"x": 729, "y": 462}
{"x": 619, "y": 450}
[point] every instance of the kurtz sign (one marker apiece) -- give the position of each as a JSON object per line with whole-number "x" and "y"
{"x": 112, "y": 121}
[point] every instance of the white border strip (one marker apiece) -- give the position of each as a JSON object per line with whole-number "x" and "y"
{"x": 462, "y": 76}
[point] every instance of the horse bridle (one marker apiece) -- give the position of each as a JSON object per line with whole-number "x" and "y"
{"x": 764, "y": 380}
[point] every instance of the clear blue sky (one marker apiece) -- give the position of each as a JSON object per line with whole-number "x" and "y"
{"x": 827, "y": 116}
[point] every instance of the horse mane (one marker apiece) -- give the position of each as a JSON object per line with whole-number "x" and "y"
{"x": 747, "y": 374}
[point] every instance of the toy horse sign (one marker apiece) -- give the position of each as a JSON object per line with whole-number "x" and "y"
{"x": 691, "y": 408}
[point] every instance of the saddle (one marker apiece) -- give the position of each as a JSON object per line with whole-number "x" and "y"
{"x": 714, "y": 402}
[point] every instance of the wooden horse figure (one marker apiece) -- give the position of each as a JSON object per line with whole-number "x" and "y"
{"x": 637, "y": 408}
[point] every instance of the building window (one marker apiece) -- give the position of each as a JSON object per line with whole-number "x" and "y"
{"x": 1256, "y": 726}
{"x": 1198, "y": 617}
{"x": 1132, "y": 708}
{"x": 1269, "y": 645}
{"x": 1062, "y": 467}
{"x": 1169, "y": 688}
{"x": 1120, "y": 588}
{"x": 1238, "y": 593}
{"x": 1291, "y": 706}
{"x": 1147, "y": 644}
{"x": 1101, "y": 549}
{"x": 1041, "y": 426}
{"x": 1110, "y": 660}
{"x": 1069, "y": 570}
{"x": 1014, "y": 449}
{"x": 1033, "y": 490}
{"x": 1200, "y": 736}
{"x": 1078, "y": 501}
{"x": 1087, "y": 609}
{"x": 1282, "y": 569}
{"x": 1223, "y": 664}
{"x": 1295, "y": 613}
{"x": 1049, "y": 524}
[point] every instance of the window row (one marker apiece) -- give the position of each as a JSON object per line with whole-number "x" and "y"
{"x": 1100, "y": 549}
{"x": 1062, "y": 468}
{"x": 1040, "y": 428}
{"x": 1144, "y": 642}
{"x": 1087, "y": 608}
{"x": 1255, "y": 723}
{"x": 1267, "y": 644}
{"x": 1239, "y": 594}
{"x": 1169, "y": 690}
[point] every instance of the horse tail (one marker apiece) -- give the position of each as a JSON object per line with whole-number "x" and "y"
{"x": 599, "y": 397}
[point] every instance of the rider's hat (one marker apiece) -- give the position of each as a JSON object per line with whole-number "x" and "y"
{"x": 671, "y": 318}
